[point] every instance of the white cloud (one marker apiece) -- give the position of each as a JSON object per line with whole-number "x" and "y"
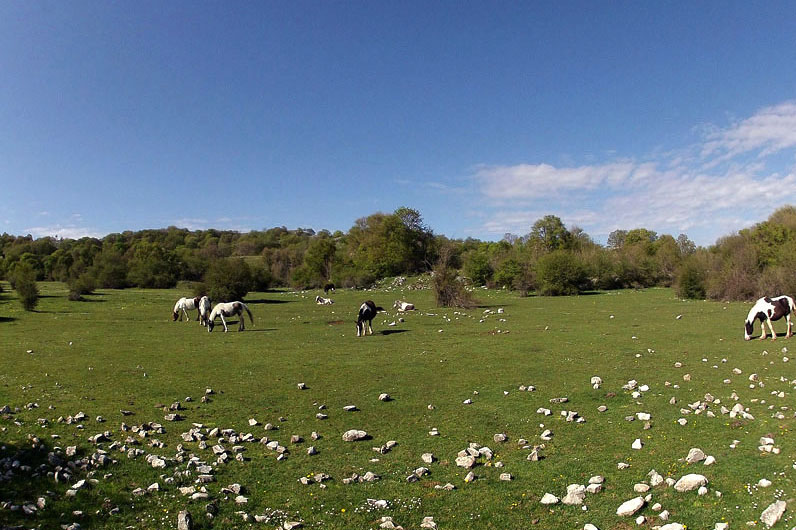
{"x": 65, "y": 232}
{"x": 669, "y": 193}
{"x": 530, "y": 181}
{"x": 770, "y": 130}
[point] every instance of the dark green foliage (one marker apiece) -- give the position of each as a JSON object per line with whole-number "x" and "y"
{"x": 690, "y": 281}
{"x": 84, "y": 284}
{"x": 228, "y": 280}
{"x": 560, "y": 273}
{"x": 24, "y": 282}
{"x": 477, "y": 267}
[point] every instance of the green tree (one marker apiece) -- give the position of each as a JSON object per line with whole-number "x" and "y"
{"x": 560, "y": 273}
{"x": 24, "y": 280}
{"x": 228, "y": 280}
{"x": 549, "y": 233}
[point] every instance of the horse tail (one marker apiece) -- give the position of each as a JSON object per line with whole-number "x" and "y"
{"x": 251, "y": 317}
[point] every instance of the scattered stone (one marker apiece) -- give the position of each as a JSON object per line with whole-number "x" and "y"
{"x": 575, "y": 495}
{"x": 630, "y": 507}
{"x": 428, "y": 458}
{"x": 354, "y": 435}
{"x": 773, "y": 513}
{"x": 184, "y": 521}
{"x": 549, "y": 498}
{"x": 384, "y": 397}
{"x": 690, "y": 482}
{"x": 695, "y": 455}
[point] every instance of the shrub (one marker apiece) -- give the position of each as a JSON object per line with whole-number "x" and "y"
{"x": 448, "y": 290}
{"x": 24, "y": 280}
{"x": 560, "y": 273}
{"x": 228, "y": 280}
{"x": 83, "y": 284}
{"x": 690, "y": 281}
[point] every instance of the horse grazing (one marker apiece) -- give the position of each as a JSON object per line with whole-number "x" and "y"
{"x": 403, "y": 306}
{"x": 228, "y": 309}
{"x": 367, "y": 311}
{"x": 323, "y": 301}
{"x": 328, "y": 287}
{"x": 185, "y": 305}
{"x": 766, "y": 310}
{"x": 204, "y": 310}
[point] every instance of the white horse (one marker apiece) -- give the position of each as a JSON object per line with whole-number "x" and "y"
{"x": 228, "y": 309}
{"x": 185, "y": 305}
{"x": 767, "y": 309}
{"x": 204, "y": 310}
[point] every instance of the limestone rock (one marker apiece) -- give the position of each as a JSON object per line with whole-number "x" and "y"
{"x": 354, "y": 435}
{"x": 549, "y": 498}
{"x": 690, "y": 482}
{"x": 630, "y": 507}
{"x": 695, "y": 455}
{"x": 575, "y": 495}
{"x": 773, "y": 513}
{"x": 184, "y": 521}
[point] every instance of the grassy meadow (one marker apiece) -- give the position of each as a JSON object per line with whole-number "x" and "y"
{"x": 120, "y": 351}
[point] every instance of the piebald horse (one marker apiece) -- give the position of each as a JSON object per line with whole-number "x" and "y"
{"x": 766, "y": 310}
{"x": 185, "y": 305}
{"x": 367, "y": 311}
{"x": 228, "y": 309}
{"x": 204, "y": 310}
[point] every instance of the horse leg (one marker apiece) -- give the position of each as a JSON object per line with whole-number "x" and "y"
{"x": 370, "y": 327}
{"x": 223, "y": 321}
{"x": 771, "y": 327}
{"x": 789, "y": 333}
{"x": 241, "y": 326}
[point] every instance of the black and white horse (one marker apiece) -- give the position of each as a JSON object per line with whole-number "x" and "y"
{"x": 320, "y": 300}
{"x": 185, "y": 305}
{"x": 204, "y": 310}
{"x": 228, "y": 309}
{"x": 367, "y": 311}
{"x": 767, "y": 310}
{"x": 328, "y": 287}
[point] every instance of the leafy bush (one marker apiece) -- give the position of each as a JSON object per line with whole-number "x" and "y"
{"x": 24, "y": 280}
{"x": 560, "y": 273}
{"x": 448, "y": 290}
{"x": 84, "y": 284}
{"x": 228, "y": 280}
{"x": 690, "y": 281}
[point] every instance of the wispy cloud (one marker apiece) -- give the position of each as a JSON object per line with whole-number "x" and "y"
{"x": 770, "y": 130}
{"x": 61, "y": 231}
{"x": 712, "y": 188}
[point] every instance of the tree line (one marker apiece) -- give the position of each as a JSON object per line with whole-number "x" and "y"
{"x": 550, "y": 259}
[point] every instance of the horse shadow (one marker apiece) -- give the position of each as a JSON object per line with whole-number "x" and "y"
{"x": 7, "y": 319}
{"x": 392, "y": 331}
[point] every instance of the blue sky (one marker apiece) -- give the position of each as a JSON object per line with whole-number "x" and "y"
{"x": 679, "y": 117}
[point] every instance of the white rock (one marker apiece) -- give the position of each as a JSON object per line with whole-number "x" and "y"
{"x": 575, "y": 495}
{"x": 637, "y": 444}
{"x": 773, "y": 513}
{"x": 354, "y": 435}
{"x": 630, "y": 507}
{"x": 710, "y": 460}
{"x": 763, "y": 483}
{"x": 672, "y": 526}
{"x": 690, "y": 482}
{"x": 549, "y": 498}
{"x": 695, "y": 455}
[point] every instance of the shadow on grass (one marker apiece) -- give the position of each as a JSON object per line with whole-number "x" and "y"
{"x": 391, "y": 331}
{"x": 267, "y": 301}
{"x": 7, "y": 319}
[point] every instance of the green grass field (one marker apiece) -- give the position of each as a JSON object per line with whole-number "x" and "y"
{"x": 120, "y": 351}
